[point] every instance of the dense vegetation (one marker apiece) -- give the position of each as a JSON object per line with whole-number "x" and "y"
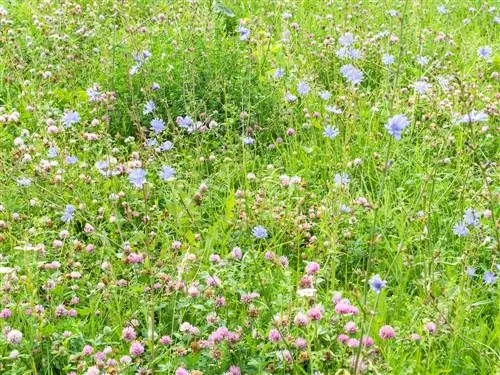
{"x": 249, "y": 187}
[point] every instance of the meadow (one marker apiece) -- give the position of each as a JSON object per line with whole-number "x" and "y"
{"x": 233, "y": 187}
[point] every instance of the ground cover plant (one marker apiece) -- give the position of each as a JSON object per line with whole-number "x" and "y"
{"x": 249, "y": 187}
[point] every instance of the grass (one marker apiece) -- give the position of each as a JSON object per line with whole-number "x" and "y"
{"x": 144, "y": 256}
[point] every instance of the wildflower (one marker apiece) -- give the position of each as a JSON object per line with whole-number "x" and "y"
{"x": 430, "y": 327}
{"x": 302, "y": 88}
{"x": 471, "y": 217}
{"x": 422, "y": 60}
{"x": 474, "y": 116}
{"x": 312, "y": 268}
{"x": 346, "y": 40}
{"x": 87, "y": 350}
{"x": 52, "y": 153}
{"x": 157, "y": 125}
{"x": 415, "y": 337}
{"x": 325, "y": 95}
{"x": 315, "y": 313}
{"x": 333, "y": 109}
{"x": 367, "y": 341}
{"x": 421, "y": 87}
{"x": 23, "y": 181}
{"x": 330, "y": 132}
{"x": 279, "y": 73}
{"x": 301, "y": 320}
{"x": 352, "y": 74}
{"x": 244, "y": 33}
{"x": 93, "y": 93}
{"x": 442, "y": 9}
{"x": 137, "y": 177}
{"x": 377, "y": 284}
{"x": 128, "y": 334}
{"x": 460, "y": 229}
{"x": 300, "y": 343}
{"x": 387, "y": 59}
{"x": 181, "y": 371}
{"x": 274, "y": 335}
{"x": 68, "y": 213}
{"x": 165, "y": 340}
{"x": 470, "y": 271}
{"x": 167, "y": 173}
{"x": 341, "y": 179}
{"x": 71, "y": 160}
{"x": 484, "y": 52}
{"x": 290, "y": 98}
{"x": 165, "y": 146}
{"x": 259, "y": 232}
{"x": 248, "y": 141}
{"x": 386, "y": 332}
{"x": 353, "y": 343}
{"x": 14, "y": 337}
{"x": 396, "y": 125}
{"x": 342, "y": 338}
{"x": 69, "y": 118}
{"x": 489, "y": 278}
{"x": 236, "y": 253}
{"x": 184, "y": 122}
{"x": 5, "y": 314}
{"x": 136, "y": 349}
{"x": 149, "y": 107}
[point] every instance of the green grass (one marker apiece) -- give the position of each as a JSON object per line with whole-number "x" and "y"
{"x": 404, "y": 196}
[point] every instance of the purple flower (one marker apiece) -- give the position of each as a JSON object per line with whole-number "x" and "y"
{"x": 396, "y": 125}
{"x": 377, "y": 284}
{"x": 244, "y": 33}
{"x": 474, "y": 116}
{"x": 14, "y": 337}
{"x": 279, "y": 73}
{"x": 330, "y": 132}
{"x": 165, "y": 146}
{"x": 149, "y": 107}
{"x": 387, "y": 59}
{"x": 489, "y": 278}
{"x": 71, "y": 160}
{"x": 341, "y": 179}
{"x": 302, "y": 88}
{"x": 442, "y": 9}
{"x": 248, "y": 141}
{"x": 346, "y": 40}
{"x": 484, "y": 52}
{"x": 136, "y": 349}
{"x": 167, "y": 173}
{"x": 68, "y": 213}
{"x": 290, "y": 98}
{"x": 259, "y": 232}
{"x": 325, "y": 95}
{"x": 352, "y": 74}
{"x": 137, "y": 177}
{"x": 23, "y": 181}
{"x": 470, "y": 271}
{"x": 157, "y": 125}
{"x": 471, "y": 217}
{"x": 52, "y": 153}
{"x": 460, "y": 229}
{"x": 69, "y": 118}
{"x": 274, "y": 335}
{"x": 184, "y": 122}
{"x": 421, "y": 87}
{"x": 422, "y": 60}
